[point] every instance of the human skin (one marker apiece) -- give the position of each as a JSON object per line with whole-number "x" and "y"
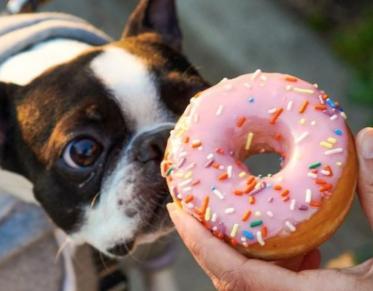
{"x": 230, "y": 270}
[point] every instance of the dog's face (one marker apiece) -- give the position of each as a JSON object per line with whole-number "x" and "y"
{"x": 90, "y": 134}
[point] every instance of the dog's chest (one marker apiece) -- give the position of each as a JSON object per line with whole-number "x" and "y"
{"x": 25, "y": 66}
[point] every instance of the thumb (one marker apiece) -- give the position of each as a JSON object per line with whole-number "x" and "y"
{"x": 364, "y": 143}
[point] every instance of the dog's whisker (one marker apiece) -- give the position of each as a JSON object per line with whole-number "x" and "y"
{"x": 65, "y": 243}
{"x": 93, "y": 202}
{"x": 86, "y": 181}
{"x": 102, "y": 259}
{"x": 133, "y": 256}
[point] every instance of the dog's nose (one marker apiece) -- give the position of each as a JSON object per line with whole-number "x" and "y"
{"x": 150, "y": 145}
{"x": 121, "y": 249}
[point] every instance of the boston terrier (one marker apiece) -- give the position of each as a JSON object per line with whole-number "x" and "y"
{"x": 87, "y": 126}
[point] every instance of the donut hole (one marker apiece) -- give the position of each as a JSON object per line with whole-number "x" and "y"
{"x": 270, "y": 149}
{"x": 264, "y": 164}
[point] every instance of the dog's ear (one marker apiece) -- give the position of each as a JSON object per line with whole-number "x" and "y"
{"x": 159, "y": 16}
{"x": 10, "y": 181}
{"x": 5, "y": 92}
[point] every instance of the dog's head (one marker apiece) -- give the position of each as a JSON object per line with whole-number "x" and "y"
{"x": 90, "y": 134}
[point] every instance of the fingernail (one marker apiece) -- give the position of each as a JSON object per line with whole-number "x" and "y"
{"x": 366, "y": 144}
{"x": 171, "y": 207}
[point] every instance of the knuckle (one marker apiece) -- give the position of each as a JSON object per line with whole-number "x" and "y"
{"x": 365, "y": 186}
{"x": 370, "y": 185}
{"x": 196, "y": 249}
{"x": 231, "y": 280}
{"x": 200, "y": 249}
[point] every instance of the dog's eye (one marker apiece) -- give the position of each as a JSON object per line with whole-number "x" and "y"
{"x": 82, "y": 152}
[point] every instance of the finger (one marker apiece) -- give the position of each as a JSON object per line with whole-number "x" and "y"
{"x": 231, "y": 271}
{"x": 224, "y": 263}
{"x": 364, "y": 143}
{"x": 360, "y": 269}
{"x": 202, "y": 244}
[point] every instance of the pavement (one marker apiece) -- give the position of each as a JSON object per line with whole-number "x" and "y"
{"x": 228, "y": 38}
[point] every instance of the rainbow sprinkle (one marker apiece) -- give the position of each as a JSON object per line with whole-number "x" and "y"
{"x": 334, "y": 151}
{"x": 314, "y": 165}
{"x": 249, "y": 140}
{"x": 338, "y": 132}
{"x": 276, "y": 115}
{"x": 289, "y": 106}
{"x": 234, "y": 230}
{"x": 302, "y": 90}
{"x": 256, "y": 74}
{"x": 269, "y": 213}
{"x": 302, "y": 137}
{"x": 219, "y": 111}
{"x": 290, "y": 226}
{"x": 259, "y": 238}
{"x": 248, "y": 234}
{"x": 217, "y": 193}
{"x": 256, "y": 223}
{"x": 229, "y": 210}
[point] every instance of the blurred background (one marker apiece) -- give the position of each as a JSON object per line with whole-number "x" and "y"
{"x": 323, "y": 41}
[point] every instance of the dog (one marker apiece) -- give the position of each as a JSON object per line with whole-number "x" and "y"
{"x": 87, "y": 128}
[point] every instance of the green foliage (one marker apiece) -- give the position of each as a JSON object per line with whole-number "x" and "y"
{"x": 354, "y": 43}
{"x": 362, "y": 89}
{"x": 364, "y": 253}
{"x": 319, "y": 22}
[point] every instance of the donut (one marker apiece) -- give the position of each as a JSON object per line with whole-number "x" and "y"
{"x": 269, "y": 217}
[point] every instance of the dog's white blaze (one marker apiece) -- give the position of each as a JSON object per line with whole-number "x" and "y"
{"x": 130, "y": 81}
{"x": 132, "y": 85}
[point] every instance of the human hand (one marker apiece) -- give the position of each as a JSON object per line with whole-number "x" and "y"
{"x": 230, "y": 270}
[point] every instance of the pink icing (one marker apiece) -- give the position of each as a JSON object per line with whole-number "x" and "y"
{"x": 222, "y": 118}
